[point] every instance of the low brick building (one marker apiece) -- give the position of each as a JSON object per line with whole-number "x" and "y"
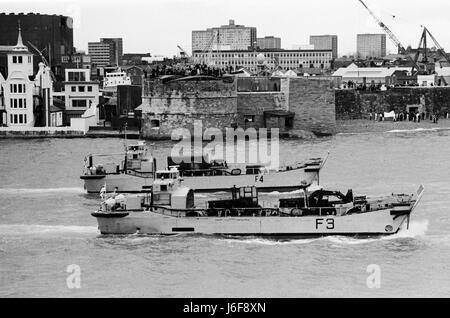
{"x": 286, "y": 103}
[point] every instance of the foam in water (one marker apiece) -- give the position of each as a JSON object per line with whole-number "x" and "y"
{"x": 15, "y": 191}
{"x": 33, "y": 229}
{"x": 416, "y": 229}
{"x": 262, "y": 241}
{"x": 416, "y": 130}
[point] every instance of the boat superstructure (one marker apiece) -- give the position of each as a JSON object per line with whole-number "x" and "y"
{"x": 134, "y": 173}
{"x": 212, "y": 176}
{"x": 170, "y": 210}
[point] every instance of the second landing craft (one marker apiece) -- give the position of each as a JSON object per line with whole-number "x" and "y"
{"x": 136, "y": 172}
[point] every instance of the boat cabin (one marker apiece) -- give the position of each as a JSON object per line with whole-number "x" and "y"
{"x": 136, "y": 158}
{"x": 320, "y": 202}
{"x": 245, "y": 197}
{"x": 254, "y": 169}
{"x": 195, "y": 166}
{"x": 137, "y": 161}
{"x": 167, "y": 191}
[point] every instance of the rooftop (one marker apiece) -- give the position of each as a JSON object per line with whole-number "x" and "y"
{"x": 264, "y": 51}
{"x": 354, "y": 71}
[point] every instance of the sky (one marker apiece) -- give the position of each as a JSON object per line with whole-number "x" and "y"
{"x": 158, "y": 26}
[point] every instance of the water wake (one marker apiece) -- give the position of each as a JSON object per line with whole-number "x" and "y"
{"x": 32, "y": 229}
{"x": 417, "y": 130}
{"x": 416, "y": 229}
{"x": 39, "y": 191}
{"x": 269, "y": 242}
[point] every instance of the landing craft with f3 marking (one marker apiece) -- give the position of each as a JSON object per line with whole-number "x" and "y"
{"x": 169, "y": 208}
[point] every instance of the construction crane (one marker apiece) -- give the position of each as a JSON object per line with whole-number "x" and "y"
{"x": 210, "y": 47}
{"x": 183, "y": 52}
{"x": 439, "y": 47}
{"x": 393, "y": 37}
{"x": 423, "y": 46}
{"x": 44, "y": 60}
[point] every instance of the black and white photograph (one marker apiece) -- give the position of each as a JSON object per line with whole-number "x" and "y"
{"x": 233, "y": 150}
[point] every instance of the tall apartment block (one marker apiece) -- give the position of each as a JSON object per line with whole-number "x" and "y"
{"x": 107, "y": 52}
{"x": 268, "y": 43}
{"x": 371, "y": 45}
{"x": 325, "y": 42}
{"x": 225, "y": 37}
{"x": 118, "y": 48}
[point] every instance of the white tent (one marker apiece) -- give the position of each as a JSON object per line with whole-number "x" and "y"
{"x": 290, "y": 73}
{"x": 278, "y": 73}
{"x": 375, "y": 74}
{"x": 389, "y": 116}
{"x": 242, "y": 72}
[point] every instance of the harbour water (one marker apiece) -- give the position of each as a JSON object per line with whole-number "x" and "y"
{"x": 45, "y": 226}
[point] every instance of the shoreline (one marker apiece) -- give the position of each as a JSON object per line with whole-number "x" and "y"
{"x": 343, "y": 127}
{"x": 361, "y": 126}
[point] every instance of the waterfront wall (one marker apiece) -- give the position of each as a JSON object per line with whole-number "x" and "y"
{"x": 253, "y": 105}
{"x": 178, "y": 104}
{"x": 313, "y": 102}
{"x": 40, "y": 132}
{"x": 218, "y": 103}
{"x": 352, "y": 104}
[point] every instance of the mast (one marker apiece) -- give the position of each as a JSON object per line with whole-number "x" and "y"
{"x": 125, "y": 132}
{"x": 392, "y": 36}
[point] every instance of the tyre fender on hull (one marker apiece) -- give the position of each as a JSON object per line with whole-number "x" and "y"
{"x": 110, "y": 215}
{"x": 92, "y": 177}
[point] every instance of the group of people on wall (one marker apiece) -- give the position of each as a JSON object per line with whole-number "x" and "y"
{"x": 190, "y": 70}
{"x": 410, "y": 116}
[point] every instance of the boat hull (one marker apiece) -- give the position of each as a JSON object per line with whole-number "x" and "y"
{"x": 367, "y": 224}
{"x": 280, "y": 181}
{"x": 123, "y": 183}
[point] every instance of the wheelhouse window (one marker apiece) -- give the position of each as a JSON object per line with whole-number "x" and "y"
{"x": 163, "y": 175}
{"x": 253, "y": 170}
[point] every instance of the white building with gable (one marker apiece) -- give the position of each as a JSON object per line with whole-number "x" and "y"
{"x": 25, "y": 99}
{"x": 18, "y": 88}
